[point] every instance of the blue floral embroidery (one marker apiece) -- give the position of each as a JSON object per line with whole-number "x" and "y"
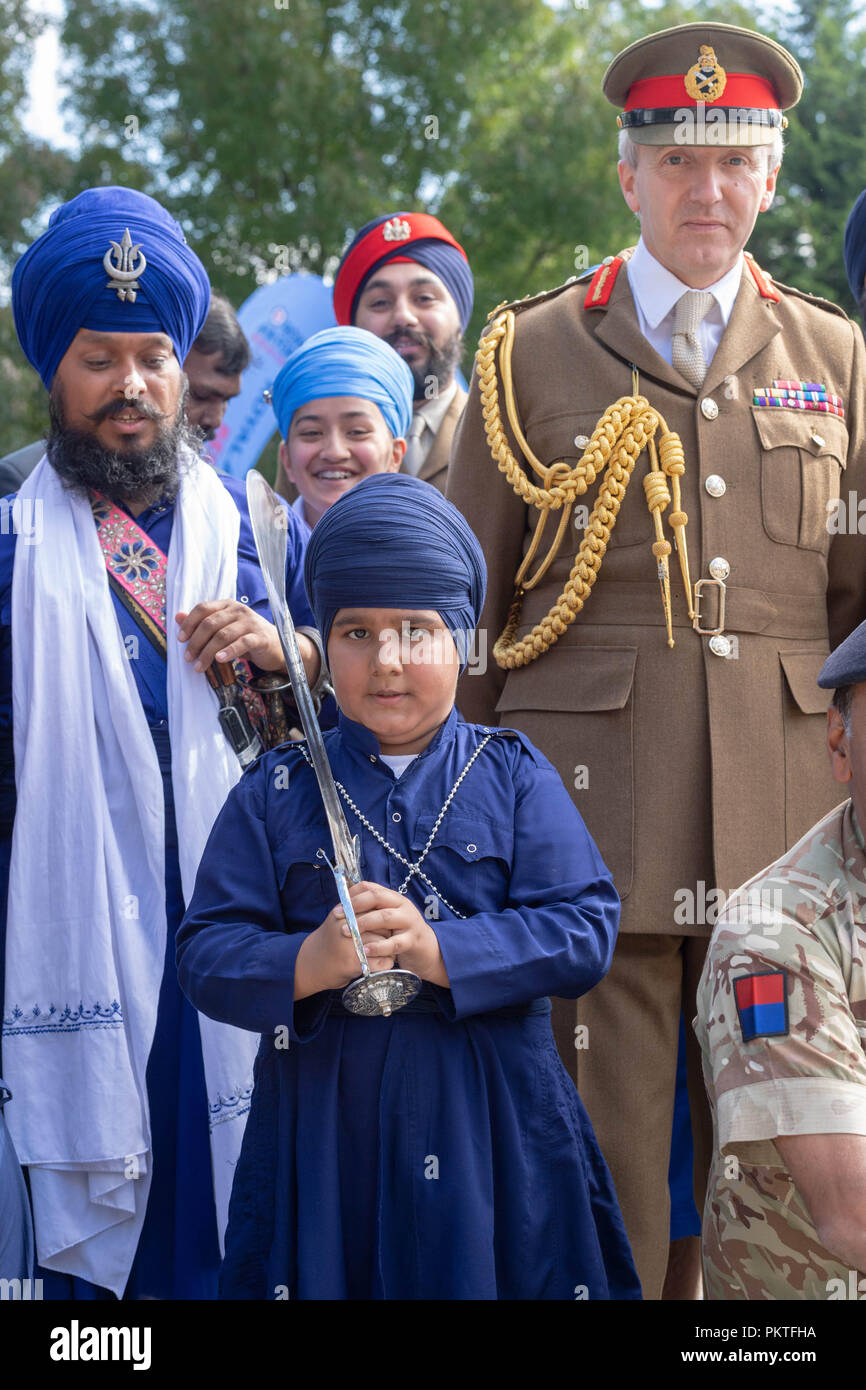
{"x": 230, "y": 1107}
{"x": 101, "y": 509}
{"x": 67, "y": 1020}
{"x": 134, "y": 560}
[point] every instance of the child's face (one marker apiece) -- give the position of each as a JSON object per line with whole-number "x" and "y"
{"x": 332, "y": 444}
{"x": 394, "y": 671}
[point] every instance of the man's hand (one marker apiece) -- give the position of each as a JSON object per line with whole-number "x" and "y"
{"x": 410, "y": 940}
{"x": 225, "y": 630}
{"x": 327, "y": 959}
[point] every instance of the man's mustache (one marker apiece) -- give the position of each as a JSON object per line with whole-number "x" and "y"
{"x": 413, "y": 334}
{"x": 118, "y": 407}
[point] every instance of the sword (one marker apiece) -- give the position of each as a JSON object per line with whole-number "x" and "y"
{"x": 375, "y": 992}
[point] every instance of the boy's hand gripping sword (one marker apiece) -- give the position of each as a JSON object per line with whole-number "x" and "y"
{"x": 374, "y": 992}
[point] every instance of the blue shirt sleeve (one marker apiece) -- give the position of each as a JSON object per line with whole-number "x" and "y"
{"x": 557, "y": 933}
{"x": 235, "y": 959}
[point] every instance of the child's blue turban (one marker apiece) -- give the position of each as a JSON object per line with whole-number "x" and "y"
{"x": 393, "y": 541}
{"x": 346, "y": 362}
{"x": 85, "y": 272}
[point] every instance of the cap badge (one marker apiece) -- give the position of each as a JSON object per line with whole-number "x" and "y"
{"x": 396, "y": 229}
{"x": 124, "y": 267}
{"x": 707, "y": 80}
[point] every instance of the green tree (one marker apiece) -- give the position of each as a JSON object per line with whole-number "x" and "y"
{"x": 824, "y": 169}
{"x": 29, "y": 172}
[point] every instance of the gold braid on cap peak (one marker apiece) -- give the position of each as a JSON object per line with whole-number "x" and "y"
{"x": 625, "y": 429}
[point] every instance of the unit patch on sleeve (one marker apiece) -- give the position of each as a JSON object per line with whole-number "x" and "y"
{"x": 762, "y": 1005}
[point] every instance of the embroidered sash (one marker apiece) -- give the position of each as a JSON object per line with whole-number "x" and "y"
{"x": 136, "y": 568}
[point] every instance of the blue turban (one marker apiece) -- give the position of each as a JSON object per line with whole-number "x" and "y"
{"x": 855, "y": 246}
{"x": 393, "y": 541}
{"x": 346, "y": 362}
{"x": 63, "y": 283}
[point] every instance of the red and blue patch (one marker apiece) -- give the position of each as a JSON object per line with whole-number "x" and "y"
{"x": 762, "y": 1005}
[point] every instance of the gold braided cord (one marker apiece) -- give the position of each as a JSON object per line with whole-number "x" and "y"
{"x": 625, "y": 429}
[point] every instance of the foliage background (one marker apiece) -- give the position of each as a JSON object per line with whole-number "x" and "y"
{"x": 274, "y": 130}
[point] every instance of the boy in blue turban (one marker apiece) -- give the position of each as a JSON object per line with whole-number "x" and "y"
{"x": 343, "y": 402}
{"x": 128, "y": 569}
{"x": 443, "y": 1152}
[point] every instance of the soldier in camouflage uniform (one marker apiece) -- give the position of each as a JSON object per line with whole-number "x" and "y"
{"x": 782, "y": 1026}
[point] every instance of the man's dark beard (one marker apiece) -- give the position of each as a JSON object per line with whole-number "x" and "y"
{"x": 143, "y": 475}
{"x": 440, "y": 361}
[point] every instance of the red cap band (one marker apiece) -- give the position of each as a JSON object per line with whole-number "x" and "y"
{"x": 741, "y": 90}
{"x": 387, "y": 236}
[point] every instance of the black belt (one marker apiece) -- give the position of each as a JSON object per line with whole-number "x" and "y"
{"x": 427, "y": 1004}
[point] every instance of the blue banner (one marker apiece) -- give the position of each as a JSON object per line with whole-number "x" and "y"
{"x": 276, "y": 318}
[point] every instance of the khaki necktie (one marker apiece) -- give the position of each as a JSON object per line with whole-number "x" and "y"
{"x": 413, "y": 459}
{"x": 688, "y": 355}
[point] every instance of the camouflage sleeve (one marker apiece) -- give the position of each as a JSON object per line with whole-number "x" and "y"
{"x": 775, "y": 1014}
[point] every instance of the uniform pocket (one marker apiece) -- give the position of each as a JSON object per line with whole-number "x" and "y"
{"x": 562, "y": 439}
{"x": 803, "y": 456}
{"x": 576, "y": 705}
{"x": 805, "y": 710}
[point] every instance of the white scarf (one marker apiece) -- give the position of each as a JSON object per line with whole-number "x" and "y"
{"x": 86, "y": 934}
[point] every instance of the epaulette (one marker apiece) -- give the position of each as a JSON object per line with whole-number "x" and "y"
{"x": 813, "y": 299}
{"x": 516, "y": 305}
{"x": 526, "y": 744}
{"x": 603, "y": 282}
{"x": 766, "y": 288}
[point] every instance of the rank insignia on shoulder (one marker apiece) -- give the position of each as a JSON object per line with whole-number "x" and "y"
{"x": 603, "y": 282}
{"x": 762, "y": 1004}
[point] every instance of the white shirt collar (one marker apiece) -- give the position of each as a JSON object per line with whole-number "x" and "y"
{"x": 435, "y": 410}
{"x": 657, "y": 289}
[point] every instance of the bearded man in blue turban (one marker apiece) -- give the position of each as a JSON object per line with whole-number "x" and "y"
{"x": 128, "y": 570}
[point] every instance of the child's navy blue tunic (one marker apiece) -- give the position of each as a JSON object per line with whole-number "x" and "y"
{"x": 442, "y": 1153}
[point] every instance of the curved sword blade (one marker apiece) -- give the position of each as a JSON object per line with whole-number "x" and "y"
{"x": 270, "y": 530}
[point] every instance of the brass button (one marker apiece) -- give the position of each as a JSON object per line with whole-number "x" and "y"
{"x": 716, "y": 486}
{"x": 709, "y": 409}
{"x": 719, "y": 567}
{"x": 720, "y": 645}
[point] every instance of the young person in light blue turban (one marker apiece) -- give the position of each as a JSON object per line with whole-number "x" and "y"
{"x": 343, "y": 403}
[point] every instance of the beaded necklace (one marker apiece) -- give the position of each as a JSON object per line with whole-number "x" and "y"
{"x": 414, "y": 869}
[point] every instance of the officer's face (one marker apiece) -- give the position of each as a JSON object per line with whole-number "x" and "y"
{"x": 394, "y": 671}
{"x": 697, "y": 204}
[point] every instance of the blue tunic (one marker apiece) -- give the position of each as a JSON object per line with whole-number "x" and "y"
{"x": 444, "y": 1152}
{"x": 178, "y": 1252}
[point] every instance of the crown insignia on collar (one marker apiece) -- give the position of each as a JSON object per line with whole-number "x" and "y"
{"x": 707, "y": 80}
{"x": 396, "y": 230}
{"x": 124, "y": 267}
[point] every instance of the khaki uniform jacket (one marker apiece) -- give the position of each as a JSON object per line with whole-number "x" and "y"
{"x": 692, "y": 770}
{"x": 434, "y": 469}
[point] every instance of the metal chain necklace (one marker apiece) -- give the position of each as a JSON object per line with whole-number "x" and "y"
{"x": 414, "y": 869}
